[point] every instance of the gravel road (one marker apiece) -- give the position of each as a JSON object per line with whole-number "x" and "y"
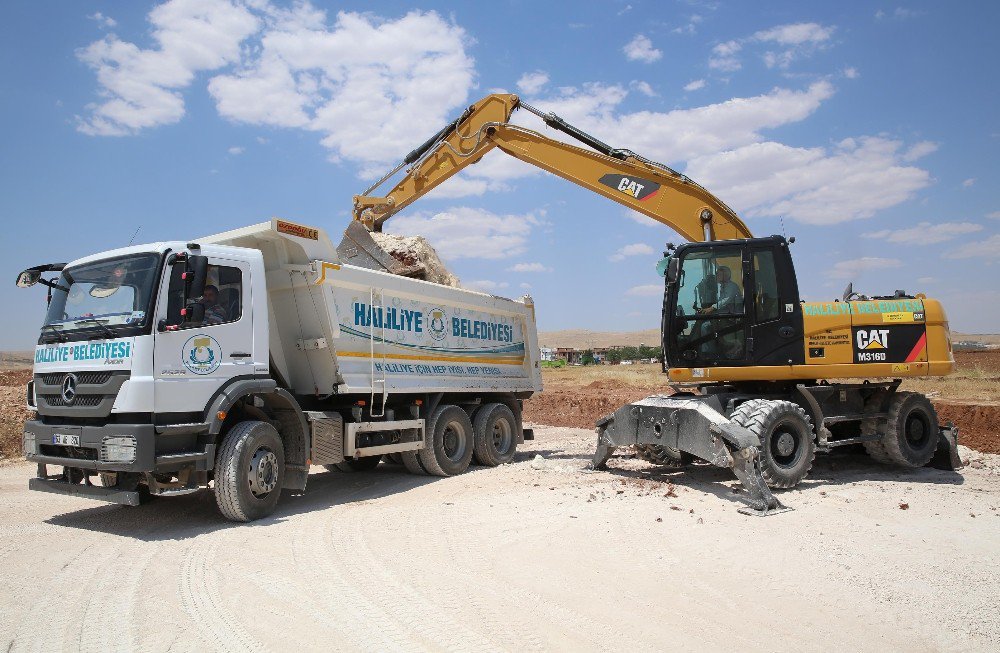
{"x": 536, "y": 555}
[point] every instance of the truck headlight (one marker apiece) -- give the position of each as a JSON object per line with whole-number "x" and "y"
{"x": 118, "y": 449}
{"x": 28, "y": 443}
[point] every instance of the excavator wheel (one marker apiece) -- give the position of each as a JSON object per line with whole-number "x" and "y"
{"x": 909, "y": 433}
{"x": 665, "y": 456}
{"x": 787, "y": 441}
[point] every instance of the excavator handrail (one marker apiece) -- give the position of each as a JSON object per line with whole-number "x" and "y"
{"x": 691, "y": 209}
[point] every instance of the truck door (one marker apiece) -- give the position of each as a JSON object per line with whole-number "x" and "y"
{"x": 191, "y": 362}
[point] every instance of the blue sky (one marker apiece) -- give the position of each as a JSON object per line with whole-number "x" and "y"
{"x": 867, "y": 130}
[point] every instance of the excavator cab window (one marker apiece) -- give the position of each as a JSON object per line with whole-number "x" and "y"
{"x": 710, "y": 312}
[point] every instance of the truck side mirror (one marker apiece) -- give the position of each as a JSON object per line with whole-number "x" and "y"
{"x": 195, "y": 279}
{"x": 28, "y": 278}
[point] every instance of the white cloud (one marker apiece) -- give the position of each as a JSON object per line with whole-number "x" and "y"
{"x": 985, "y": 250}
{"x": 851, "y": 73}
{"x": 643, "y": 87}
{"x": 365, "y": 84}
{"x": 855, "y": 180}
{"x": 920, "y": 150}
{"x": 641, "y": 49}
{"x": 485, "y": 285}
{"x": 724, "y": 57}
{"x": 926, "y": 233}
{"x": 524, "y": 286}
{"x": 106, "y": 22}
{"x": 969, "y": 183}
{"x": 899, "y": 13}
{"x": 696, "y": 85}
{"x": 994, "y": 215}
{"x": 140, "y": 88}
{"x": 532, "y": 83}
{"x": 236, "y": 150}
{"x": 261, "y": 140}
{"x": 795, "y": 34}
{"x": 648, "y": 290}
{"x": 464, "y": 232}
{"x": 640, "y": 218}
{"x": 529, "y": 267}
{"x": 691, "y": 27}
{"x": 635, "y": 249}
{"x": 853, "y": 268}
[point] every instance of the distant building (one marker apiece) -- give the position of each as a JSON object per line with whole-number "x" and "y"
{"x": 547, "y": 353}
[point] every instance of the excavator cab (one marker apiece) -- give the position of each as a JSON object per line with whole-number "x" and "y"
{"x": 732, "y": 303}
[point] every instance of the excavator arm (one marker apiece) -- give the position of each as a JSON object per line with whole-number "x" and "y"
{"x": 648, "y": 187}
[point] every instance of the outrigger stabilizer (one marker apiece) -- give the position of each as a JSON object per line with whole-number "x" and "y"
{"x": 695, "y": 425}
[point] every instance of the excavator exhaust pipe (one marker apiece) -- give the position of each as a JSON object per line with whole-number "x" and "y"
{"x": 692, "y": 424}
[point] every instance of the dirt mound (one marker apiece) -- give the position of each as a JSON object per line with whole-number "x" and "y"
{"x": 12, "y": 411}
{"x": 410, "y": 250}
{"x": 978, "y": 426}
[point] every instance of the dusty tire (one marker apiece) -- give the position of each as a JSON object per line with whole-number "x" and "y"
{"x": 787, "y": 442}
{"x": 249, "y": 471}
{"x": 450, "y": 442}
{"x": 665, "y": 456}
{"x": 495, "y": 435}
{"x": 910, "y": 432}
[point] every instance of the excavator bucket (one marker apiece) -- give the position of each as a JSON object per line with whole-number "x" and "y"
{"x": 692, "y": 424}
{"x": 360, "y": 249}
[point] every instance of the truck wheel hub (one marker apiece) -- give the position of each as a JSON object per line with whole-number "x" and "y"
{"x": 263, "y": 472}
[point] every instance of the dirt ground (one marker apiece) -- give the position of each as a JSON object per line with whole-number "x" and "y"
{"x": 536, "y": 555}
{"x": 578, "y": 396}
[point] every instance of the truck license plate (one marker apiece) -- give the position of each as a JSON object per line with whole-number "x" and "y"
{"x": 66, "y": 440}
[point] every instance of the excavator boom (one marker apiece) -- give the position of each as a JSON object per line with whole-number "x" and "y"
{"x": 648, "y": 187}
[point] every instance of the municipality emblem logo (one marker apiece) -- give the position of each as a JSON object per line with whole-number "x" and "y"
{"x": 437, "y": 327}
{"x": 201, "y": 354}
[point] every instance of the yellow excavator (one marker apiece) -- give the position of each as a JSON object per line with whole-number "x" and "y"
{"x": 761, "y": 380}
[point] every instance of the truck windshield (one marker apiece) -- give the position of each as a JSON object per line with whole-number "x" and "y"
{"x": 103, "y": 294}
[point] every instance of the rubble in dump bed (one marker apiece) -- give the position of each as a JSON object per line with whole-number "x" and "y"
{"x": 410, "y": 250}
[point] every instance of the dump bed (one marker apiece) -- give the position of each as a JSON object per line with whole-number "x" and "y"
{"x": 342, "y": 329}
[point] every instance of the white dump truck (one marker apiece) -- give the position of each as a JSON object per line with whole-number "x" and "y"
{"x": 241, "y": 359}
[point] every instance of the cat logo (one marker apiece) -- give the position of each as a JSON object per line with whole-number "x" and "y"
{"x": 634, "y": 187}
{"x": 873, "y": 338}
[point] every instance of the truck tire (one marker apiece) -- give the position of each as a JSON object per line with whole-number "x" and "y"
{"x": 450, "y": 442}
{"x": 787, "y": 441}
{"x": 909, "y": 436}
{"x": 660, "y": 455}
{"x": 249, "y": 471}
{"x": 495, "y": 435}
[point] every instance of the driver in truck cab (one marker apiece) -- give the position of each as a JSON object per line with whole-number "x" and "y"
{"x": 215, "y": 313}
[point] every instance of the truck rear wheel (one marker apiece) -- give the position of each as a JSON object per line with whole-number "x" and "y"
{"x": 495, "y": 430}
{"x": 909, "y": 436}
{"x": 787, "y": 445}
{"x": 449, "y": 442}
{"x": 249, "y": 471}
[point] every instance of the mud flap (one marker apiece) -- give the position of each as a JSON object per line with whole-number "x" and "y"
{"x": 946, "y": 456}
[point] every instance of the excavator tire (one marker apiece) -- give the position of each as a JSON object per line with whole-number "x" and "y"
{"x": 665, "y": 456}
{"x": 909, "y": 436}
{"x": 787, "y": 440}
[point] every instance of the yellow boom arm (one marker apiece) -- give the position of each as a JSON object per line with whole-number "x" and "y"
{"x": 623, "y": 176}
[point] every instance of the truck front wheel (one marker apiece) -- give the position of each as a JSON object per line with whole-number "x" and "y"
{"x": 249, "y": 471}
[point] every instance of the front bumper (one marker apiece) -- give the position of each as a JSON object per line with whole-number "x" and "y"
{"x": 154, "y": 451}
{"x": 58, "y": 486}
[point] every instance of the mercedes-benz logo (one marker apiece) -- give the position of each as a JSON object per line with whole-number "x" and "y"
{"x": 69, "y": 388}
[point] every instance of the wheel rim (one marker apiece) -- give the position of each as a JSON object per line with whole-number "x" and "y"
{"x": 502, "y": 436}
{"x": 918, "y": 430}
{"x": 786, "y": 445}
{"x": 263, "y": 472}
{"x": 455, "y": 441}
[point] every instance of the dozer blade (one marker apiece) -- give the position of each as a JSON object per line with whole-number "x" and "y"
{"x": 696, "y": 425}
{"x": 360, "y": 249}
